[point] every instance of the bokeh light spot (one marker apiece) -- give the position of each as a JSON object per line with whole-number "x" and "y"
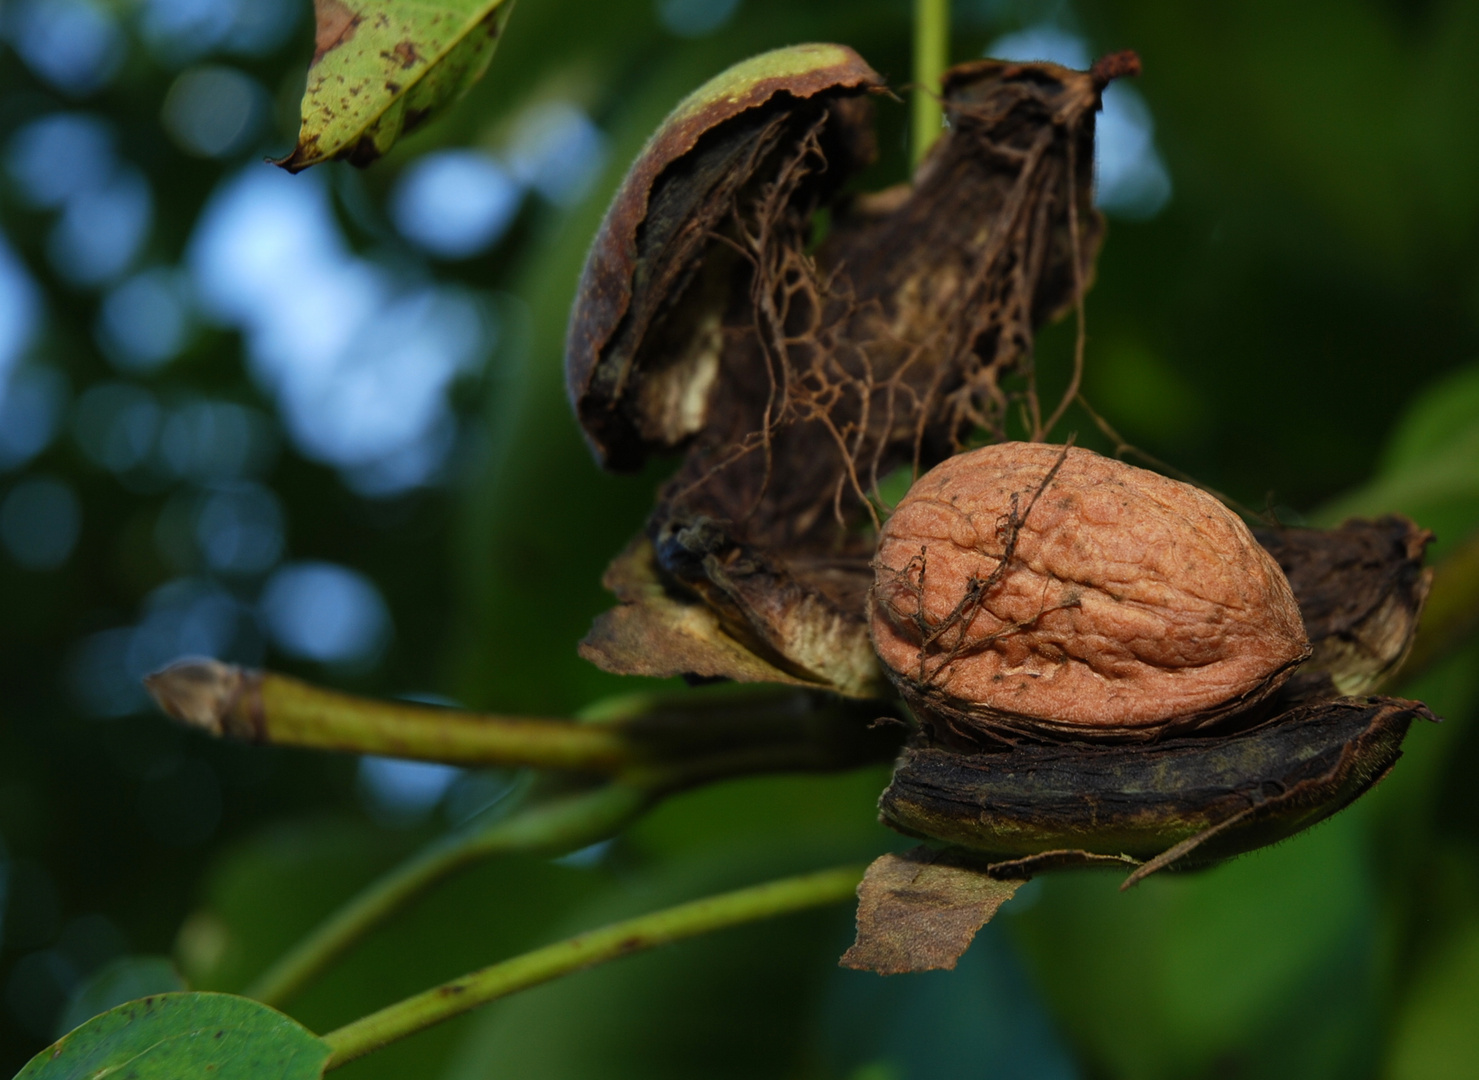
{"x": 181, "y": 31}
{"x": 59, "y": 156}
{"x": 325, "y": 612}
{"x": 217, "y": 440}
{"x": 116, "y": 424}
{"x": 360, "y": 362}
{"x": 240, "y": 529}
{"x": 101, "y": 231}
{"x": 454, "y": 203}
{"x": 32, "y": 402}
{"x": 214, "y": 111}
{"x": 75, "y": 45}
{"x": 40, "y": 521}
{"x": 145, "y": 321}
{"x": 695, "y": 18}
{"x": 558, "y": 151}
{"x": 399, "y": 793}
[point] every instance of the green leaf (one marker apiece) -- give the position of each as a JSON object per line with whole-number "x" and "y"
{"x": 1445, "y": 414}
{"x": 1435, "y": 1034}
{"x": 382, "y": 68}
{"x": 1430, "y": 470}
{"x": 125, "y": 979}
{"x": 169, "y": 1036}
{"x": 1269, "y": 961}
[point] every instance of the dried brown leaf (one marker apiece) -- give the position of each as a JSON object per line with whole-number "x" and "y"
{"x": 659, "y": 633}
{"x": 919, "y": 911}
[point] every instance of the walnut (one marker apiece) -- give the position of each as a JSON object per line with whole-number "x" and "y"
{"x": 1046, "y": 591}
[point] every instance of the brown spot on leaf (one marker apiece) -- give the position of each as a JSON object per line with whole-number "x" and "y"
{"x": 406, "y": 53}
{"x": 362, "y": 153}
{"x": 335, "y": 23}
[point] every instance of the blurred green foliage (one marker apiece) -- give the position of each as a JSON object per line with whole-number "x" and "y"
{"x": 1298, "y": 326}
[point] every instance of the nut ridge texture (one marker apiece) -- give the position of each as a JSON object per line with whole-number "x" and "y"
{"x": 1050, "y": 591}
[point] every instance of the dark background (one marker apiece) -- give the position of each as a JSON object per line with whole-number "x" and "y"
{"x": 317, "y": 423}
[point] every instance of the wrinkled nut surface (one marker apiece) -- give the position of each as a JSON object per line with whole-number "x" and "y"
{"x": 1049, "y": 590}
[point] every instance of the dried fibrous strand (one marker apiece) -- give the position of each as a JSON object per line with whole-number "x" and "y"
{"x": 892, "y": 343}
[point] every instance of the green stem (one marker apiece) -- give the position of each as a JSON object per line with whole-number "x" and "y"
{"x": 931, "y": 55}
{"x": 586, "y": 950}
{"x": 557, "y": 827}
{"x": 660, "y": 743}
{"x": 264, "y": 707}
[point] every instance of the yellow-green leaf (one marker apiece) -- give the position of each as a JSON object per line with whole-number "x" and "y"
{"x": 382, "y": 68}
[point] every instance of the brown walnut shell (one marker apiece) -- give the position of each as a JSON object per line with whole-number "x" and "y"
{"x": 1046, "y": 590}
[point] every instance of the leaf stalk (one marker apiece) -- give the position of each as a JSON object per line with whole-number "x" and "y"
{"x": 556, "y": 827}
{"x": 585, "y": 950}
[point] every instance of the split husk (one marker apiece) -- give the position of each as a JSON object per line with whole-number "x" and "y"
{"x": 795, "y": 343}
{"x": 793, "y": 379}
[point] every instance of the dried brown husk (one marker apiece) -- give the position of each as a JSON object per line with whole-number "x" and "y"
{"x": 1229, "y": 794}
{"x": 1361, "y": 588}
{"x": 794, "y": 380}
{"x": 918, "y": 911}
